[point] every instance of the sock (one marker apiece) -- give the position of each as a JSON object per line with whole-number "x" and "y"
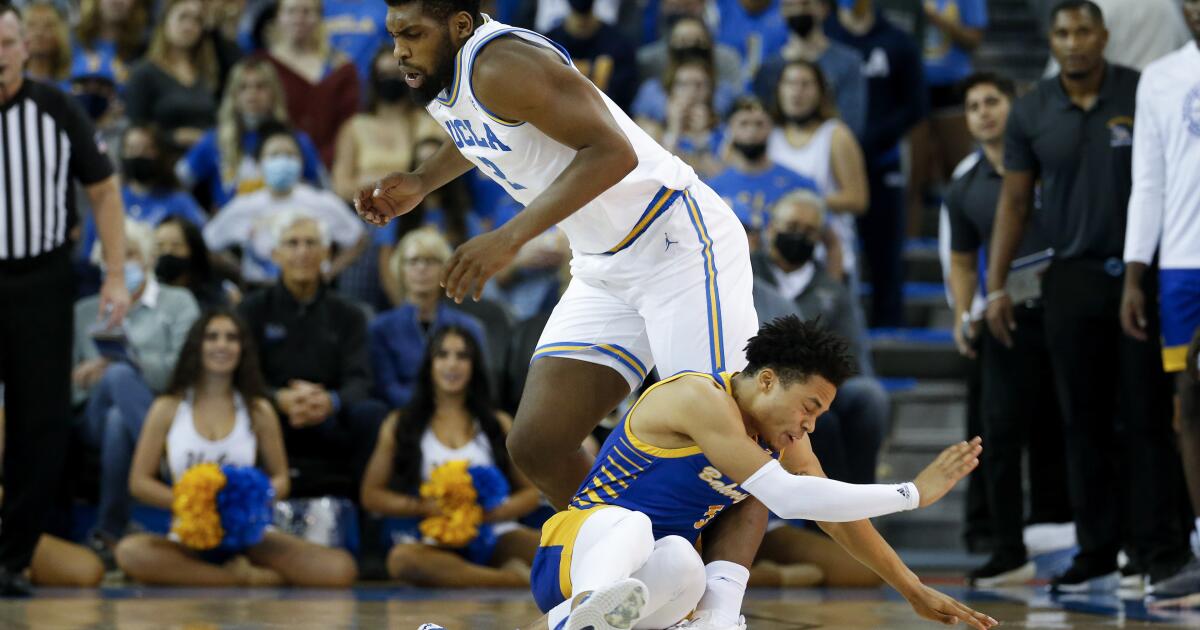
{"x": 558, "y": 614}
{"x": 724, "y": 589}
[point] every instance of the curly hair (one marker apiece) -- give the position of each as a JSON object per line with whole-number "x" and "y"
{"x": 797, "y": 349}
{"x": 442, "y": 9}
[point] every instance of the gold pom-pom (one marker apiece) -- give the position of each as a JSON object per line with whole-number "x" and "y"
{"x": 452, "y": 487}
{"x": 197, "y": 523}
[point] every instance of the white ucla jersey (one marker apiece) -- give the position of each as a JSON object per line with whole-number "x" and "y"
{"x": 525, "y": 161}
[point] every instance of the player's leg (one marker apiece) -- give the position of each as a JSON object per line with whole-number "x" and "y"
{"x": 423, "y": 565}
{"x": 592, "y": 353}
{"x": 674, "y": 577}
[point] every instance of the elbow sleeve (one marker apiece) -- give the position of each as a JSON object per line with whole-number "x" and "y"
{"x": 818, "y": 499}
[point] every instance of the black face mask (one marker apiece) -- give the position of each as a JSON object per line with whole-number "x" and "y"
{"x": 691, "y": 52}
{"x": 170, "y": 268}
{"x": 391, "y": 89}
{"x": 94, "y": 104}
{"x": 802, "y": 24}
{"x": 582, "y": 6}
{"x": 753, "y": 152}
{"x": 139, "y": 169}
{"x": 801, "y": 121}
{"x": 794, "y": 247}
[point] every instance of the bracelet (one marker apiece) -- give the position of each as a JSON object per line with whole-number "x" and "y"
{"x": 996, "y": 295}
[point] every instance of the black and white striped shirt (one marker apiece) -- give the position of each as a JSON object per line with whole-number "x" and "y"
{"x": 47, "y": 142}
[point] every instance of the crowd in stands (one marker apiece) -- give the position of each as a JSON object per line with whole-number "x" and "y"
{"x": 270, "y": 325}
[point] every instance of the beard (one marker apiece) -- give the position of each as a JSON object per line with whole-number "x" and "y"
{"x": 438, "y": 78}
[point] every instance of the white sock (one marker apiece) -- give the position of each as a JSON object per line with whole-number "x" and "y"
{"x": 724, "y": 588}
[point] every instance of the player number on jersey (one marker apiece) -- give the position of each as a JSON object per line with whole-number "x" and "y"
{"x": 713, "y": 511}
{"x": 500, "y": 174}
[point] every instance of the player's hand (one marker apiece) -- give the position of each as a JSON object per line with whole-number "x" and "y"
{"x": 1133, "y": 312}
{"x": 1000, "y": 319}
{"x": 114, "y": 299}
{"x": 954, "y": 463}
{"x": 475, "y": 261}
{"x": 389, "y": 198}
{"x": 942, "y": 608}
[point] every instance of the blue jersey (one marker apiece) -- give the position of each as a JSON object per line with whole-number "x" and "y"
{"x": 751, "y": 195}
{"x": 678, "y": 488}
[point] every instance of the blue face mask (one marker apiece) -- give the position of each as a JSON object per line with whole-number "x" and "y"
{"x": 281, "y": 172}
{"x": 135, "y": 276}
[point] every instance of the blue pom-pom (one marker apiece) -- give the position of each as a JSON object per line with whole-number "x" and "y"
{"x": 245, "y": 506}
{"x": 490, "y": 485}
{"x": 481, "y": 549}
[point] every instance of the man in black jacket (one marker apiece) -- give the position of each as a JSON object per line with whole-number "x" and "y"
{"x": 312, "y": 345}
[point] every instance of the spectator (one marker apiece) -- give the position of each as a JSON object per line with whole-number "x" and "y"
{"x": 1140, "y": 31}
{"x": 224, "y": 158}
{"x": 220, "y": 21}
{"x": 183, "y": 262}
{"x": 450, "y": 418}
{"x": 954, "y": 31}
{"x": 246, "y": 221}
{"x": 111, "y": 33}
{"x": 812, "y": 142}
{"x": 312, "y": 346}
{"x": 49, "y": 44}
{"x": 1073, "y": 132}
{"x": 37, "y": 290}
{"x": 149, "y": 190}
{"x": 892, "y": 67}
{"x": 690, "y": 127}
{"x": 381, "y": 139}
{"x": 653, "y": 58}
{"x": 689, "y": 41}
{"x": 447, "y": 209}
{"x": 531, "y": 283}
{"x": 752, "y": 182}
{"x": 754, "y": 28}
{"x": 546, "y": 15}
{"x": 119, "y": 371}
{"x": 839, "y": 63}
{"x": 214, "y": 412}
{"x": 600, "y": 52}
{"x": 320, "y": 82}
{"x": 175, "y": 86}
{"x": 398, "y": 337}
{"x": 1164, "y": 208}
{"x": 96, "y": 90}
{"x": 848, "y": 437}
{"x": 356, "y": 28}
{"x": 1018, "y": 385}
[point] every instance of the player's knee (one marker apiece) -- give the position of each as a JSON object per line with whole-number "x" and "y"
{"x": 524, "y": 449}
{"x": 637, "y": 533}
{"x": 683, "y": 561}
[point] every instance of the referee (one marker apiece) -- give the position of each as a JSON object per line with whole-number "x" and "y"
{"x": 46, "y": 142}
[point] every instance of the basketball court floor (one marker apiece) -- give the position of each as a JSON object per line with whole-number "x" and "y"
{"x": 381, "y": 608}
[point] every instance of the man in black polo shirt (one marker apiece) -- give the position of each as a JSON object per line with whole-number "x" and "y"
{"x": 46, "y": 143}
{"x": 1017, "y": 379}
{"x": 1075, "y": 134}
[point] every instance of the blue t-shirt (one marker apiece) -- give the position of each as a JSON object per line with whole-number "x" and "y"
{"x": 100, "y": 60}
{"x": 651, "y": 100}
{"x": 755, "y": 37}
{"x": 357, "y": 28}
{"x": 152, "y": 208}
{"x": 947, "y": 63}
{"x": 202, "y": 163}
{"x": 751, "y": 195}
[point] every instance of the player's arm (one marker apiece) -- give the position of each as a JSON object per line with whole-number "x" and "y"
{"x": 714, "y": 422}
{"x": 520, "y": 81}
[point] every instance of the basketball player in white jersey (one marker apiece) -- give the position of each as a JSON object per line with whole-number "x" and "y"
{"x": 660, "y": 269}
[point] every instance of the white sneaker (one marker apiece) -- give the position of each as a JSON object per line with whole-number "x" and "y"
{"x": 430, "y": 626}
{"x": 704, "y": 621}
{"x": 615, "y": 607}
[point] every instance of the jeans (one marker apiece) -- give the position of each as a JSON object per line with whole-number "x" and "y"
{"x": 113, "y": 420}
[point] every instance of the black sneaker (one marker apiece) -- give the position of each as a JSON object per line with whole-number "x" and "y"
{"x": 1083, "y": 579}
{"x": 1002, "y": 572}
{"x": 14, "y": 584}
{"x": 1185, "y": 582}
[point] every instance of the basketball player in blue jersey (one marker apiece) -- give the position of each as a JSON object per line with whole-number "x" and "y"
{"x": 622, "y": 555}
{"x": 660, "y": 265}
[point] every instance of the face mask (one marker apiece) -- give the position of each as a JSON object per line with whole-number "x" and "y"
{"x": 94, "y": 104}
{"x": 753, "y": 152}
{"x": 802, "y": 24}
{"x": 281, "y": 172}
{"x": 170, "y": 268}
{"x": 251, "y": 122}
{"x": 135, "y": 276}
{"x": 689, "y": 52}
{"x": 139, "y": 169}
{"x": 391, "y": 89}
{"x": 801, "y": 121}
{"x": 582, "y": 6}
{"x": 794, "y": 247}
